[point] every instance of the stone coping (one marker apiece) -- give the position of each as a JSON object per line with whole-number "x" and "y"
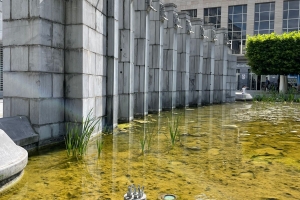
{"x": 13, "y": 159}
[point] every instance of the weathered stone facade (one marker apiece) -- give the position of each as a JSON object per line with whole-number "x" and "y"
{"x": 118, "y": 58}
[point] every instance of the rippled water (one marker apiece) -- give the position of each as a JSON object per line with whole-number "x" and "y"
{"x": 233, "y": 151}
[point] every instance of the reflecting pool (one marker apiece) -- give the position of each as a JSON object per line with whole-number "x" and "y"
{"x": 231, "y": 151}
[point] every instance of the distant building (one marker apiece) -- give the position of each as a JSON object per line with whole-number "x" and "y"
{"x": 246, "y": 17}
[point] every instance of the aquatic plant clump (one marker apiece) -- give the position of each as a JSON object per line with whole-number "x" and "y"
{"x": 79, "y": 134}
{"x": 274, "y": 96}
{"x": 173, "y": 131}
{"x": 147, "y": 139}
{"x": 99, "y": 143}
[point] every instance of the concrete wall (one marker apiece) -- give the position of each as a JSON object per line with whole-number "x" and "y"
{"x": 116, "y": 58}
{"x": 33, "y": 41}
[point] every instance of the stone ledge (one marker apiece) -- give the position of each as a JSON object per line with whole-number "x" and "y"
{"x": 19, "y": 130}
{"x": 13, "y": 160}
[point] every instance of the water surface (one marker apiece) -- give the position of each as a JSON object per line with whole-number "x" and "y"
{"x": 232, "y": 151}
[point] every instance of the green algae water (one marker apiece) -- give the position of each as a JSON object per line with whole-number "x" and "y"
{"x": 231, "y": 151}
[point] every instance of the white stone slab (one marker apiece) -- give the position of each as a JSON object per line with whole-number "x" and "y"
{"x": 13, "y": 158}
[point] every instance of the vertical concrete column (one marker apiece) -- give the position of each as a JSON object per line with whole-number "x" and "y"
{"x": 231, "y": 78}
{"x": 126, "y": 60}
{"x": 170, "y": 57}
{"x": 112, "y": 105}
{"x": 33, "y": 41}
{"x": 221, "y": 53}
{"x": 157, "y": 20}
{"x": 209, "y": 63}
{"x": 183, "y": 60}
{"x": 196, "y": 63}
{"x": 141, "y": 44}
{"x": 86, "y": 59}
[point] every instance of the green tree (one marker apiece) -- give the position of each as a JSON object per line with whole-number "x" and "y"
{"x": 274, "y": 54}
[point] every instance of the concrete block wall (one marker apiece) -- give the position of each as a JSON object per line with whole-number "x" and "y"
{"x": 126, "y": 60}
{"x": 156, "y": 28}
{"x": 86, "y": 59}
{"x": 141, "y": 48}
{"x": 170, "y": 58}
{"x": 196, "y": 63}
{"x": 33, "y": 42}
{"x": 183, "y": 60}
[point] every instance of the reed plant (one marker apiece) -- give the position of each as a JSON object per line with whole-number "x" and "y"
{"x": 99, "y": 143}
{"x": 173, "y": 131}
{"x": 79, "y": 134}
{"x": 147, "y": 139}
{"x": 143, "y": 143}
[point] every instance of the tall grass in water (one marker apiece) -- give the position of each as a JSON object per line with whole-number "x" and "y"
{"x": 173, "y": 131}
{"x": 79, "y": 134}
{"x": 147, "y": 139}
{"x": 99, "y": 143}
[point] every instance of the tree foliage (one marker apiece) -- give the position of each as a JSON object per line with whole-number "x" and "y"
{"x": 274, "y": 54}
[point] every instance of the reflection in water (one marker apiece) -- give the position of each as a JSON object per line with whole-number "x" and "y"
{"x": 231, "y": 151}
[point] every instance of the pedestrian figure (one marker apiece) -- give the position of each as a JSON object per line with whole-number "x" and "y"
{"x": 244, "y": 89}
{"x": 267, "y": 83}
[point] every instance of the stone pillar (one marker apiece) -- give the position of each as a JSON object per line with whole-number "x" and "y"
{"x": 183, "y": 60}
{"x": 231, "y": 78}
{"x": 221, "y": 58}
{"x": 112, "y": 99}
{"x": 208, "y": 63}
{"x": 220, "y": 72}
{"x": 196, "y": 63}
{"x": 141, "y": 44}
{"x": 33, "y": 41}
{"x": 157, "y": 20}
{"x": 170, "y": 57}
{"x": 85, "y": 59}
{"x": 126, "y": 60}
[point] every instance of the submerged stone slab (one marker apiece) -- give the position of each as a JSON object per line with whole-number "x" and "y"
{"x": 240, "y": 96}
{"x": 19, "y": 130}
{"x": 13, "y": 159}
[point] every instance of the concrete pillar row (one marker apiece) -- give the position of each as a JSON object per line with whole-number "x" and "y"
{"x": 196, "y": 63}
{"x": 156, "y": 28}
{"x": 117, "y": 58}
{"x": 126, "y": 60}
{"x": 183, "y": 60}
{"x": 170, "y": 57}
